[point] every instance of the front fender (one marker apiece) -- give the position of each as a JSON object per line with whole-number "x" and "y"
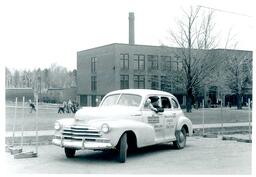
{"x": 66, "y": 121}
{"x": 187, "y": 122}
{"x": 144, "y": 133}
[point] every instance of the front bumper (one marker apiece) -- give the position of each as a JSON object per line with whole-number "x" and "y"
{"x": 82, "y": 144}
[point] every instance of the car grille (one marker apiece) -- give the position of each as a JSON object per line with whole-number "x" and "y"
{"x": 80, "y": 133}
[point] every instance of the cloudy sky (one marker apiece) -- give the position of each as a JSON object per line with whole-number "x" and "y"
{"x": 38, "y": 33}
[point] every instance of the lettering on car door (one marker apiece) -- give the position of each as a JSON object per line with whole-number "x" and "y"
{"x": 156, "y": 119}
{"x": 169, "y": 117}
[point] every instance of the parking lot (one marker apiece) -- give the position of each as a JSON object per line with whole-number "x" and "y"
{"x": 201, "y": 156}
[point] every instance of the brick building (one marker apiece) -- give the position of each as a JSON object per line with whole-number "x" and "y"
{"x": 120, "y": 66}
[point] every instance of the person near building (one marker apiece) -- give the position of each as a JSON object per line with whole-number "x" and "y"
{"x": 69, "y": 106}
{"x": 62, "y": 107}
{"x": 32, "y": 106}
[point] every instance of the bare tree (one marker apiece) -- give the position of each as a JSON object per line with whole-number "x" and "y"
{"x": 45, "y": 78}
{"x": 53, "y": 77}
{"x": 8, "y": 78}
{"x": 193, "y": 36}
{"x": 16, "y": 79}
{"x": 239, "y": 73}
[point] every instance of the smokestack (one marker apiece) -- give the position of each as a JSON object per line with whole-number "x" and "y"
{"x": 131, "y": 28}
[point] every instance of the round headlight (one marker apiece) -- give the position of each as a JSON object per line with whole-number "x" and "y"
{"x": 105, "y": 128}
{"x": 57, "y": 126}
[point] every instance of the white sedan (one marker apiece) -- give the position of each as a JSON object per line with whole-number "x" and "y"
{"x": 125, "y": 119}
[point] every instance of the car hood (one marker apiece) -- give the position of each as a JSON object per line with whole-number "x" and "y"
{"x": 106, "y": 112}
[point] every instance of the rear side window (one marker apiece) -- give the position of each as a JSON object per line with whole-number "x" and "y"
{"x": 165, "y": 103}
{"x": 174, "y": 103}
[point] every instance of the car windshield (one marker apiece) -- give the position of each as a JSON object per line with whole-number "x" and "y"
{"x": 124, "y": 99}
{"x": 110, "y": 100}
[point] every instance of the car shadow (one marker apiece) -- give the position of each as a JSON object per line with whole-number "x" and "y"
{"x": 154, "y": 149}
{"x": 111, "y": 155}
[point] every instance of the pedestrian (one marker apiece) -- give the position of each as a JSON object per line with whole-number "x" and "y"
{"x": 69, "y": 105}
{"x": 32, "y": 106}
{"x": 74, "y": 107}
{"x": 62, "y": 108}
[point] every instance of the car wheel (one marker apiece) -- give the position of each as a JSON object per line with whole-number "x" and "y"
{"x": 122, "y": 149}
{"x": 180, "y": 138}
{"x": 70, "y": 153}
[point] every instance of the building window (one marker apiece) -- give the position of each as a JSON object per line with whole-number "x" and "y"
{"x": 83, "y": 100}
{"x": 139, "y": 62}
{"x": 139, "y": 81}
{"x": 94, "y": 102}
{"x": 166, "y": 63}
{"x": 124, "y": 81}
{"x": 165, "y": 84}
{"x": 152, "y": 62}
{"x": 93, "y": 64}
{"x": 177, "y": 64}
{"x": 124, "y": 61}
{"x": 93, "y": 83}
{"x": 154, "y": 82}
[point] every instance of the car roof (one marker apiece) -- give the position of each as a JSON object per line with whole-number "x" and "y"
{"x": 142, "y": 92}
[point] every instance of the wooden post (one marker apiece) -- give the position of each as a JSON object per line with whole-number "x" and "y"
{"x": 31, "y": 154}
{"x": 203, "y": 117}
{"x": 12, "y": 149}
{"x": 14, "y": 121}
{"x": 221, "y": 115}
{"x": 249, "y": 108}
{"x": 23, "y": 119}
{"x": 37, "y": 124}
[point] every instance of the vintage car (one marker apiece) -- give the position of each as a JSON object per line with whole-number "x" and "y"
{"x": 125, "y": 119}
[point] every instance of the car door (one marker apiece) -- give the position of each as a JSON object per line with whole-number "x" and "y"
{"x": 170, "y": 117}
{"x": 156, "y": 120}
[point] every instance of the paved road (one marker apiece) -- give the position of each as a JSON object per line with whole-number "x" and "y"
{"x": 201, "y": 156}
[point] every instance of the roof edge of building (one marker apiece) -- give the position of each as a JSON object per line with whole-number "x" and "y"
{"x": 126, "y": 45}
{"x": 163, "y": 46}
{"x": 232, "y": 50}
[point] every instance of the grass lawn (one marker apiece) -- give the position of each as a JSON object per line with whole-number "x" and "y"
{"x": 213, "y": 115}
{"x": 47, "y": 115}
{"x": 46, "y": 118}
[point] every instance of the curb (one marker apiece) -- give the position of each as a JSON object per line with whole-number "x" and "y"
{"x": 210, "y": 136}
{"x": 29, "y": 140}
{"x": 219, "y": 130}
{"x": 225, "y": 138}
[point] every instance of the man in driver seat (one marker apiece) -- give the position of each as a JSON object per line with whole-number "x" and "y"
{"x": 153, "y": 103}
